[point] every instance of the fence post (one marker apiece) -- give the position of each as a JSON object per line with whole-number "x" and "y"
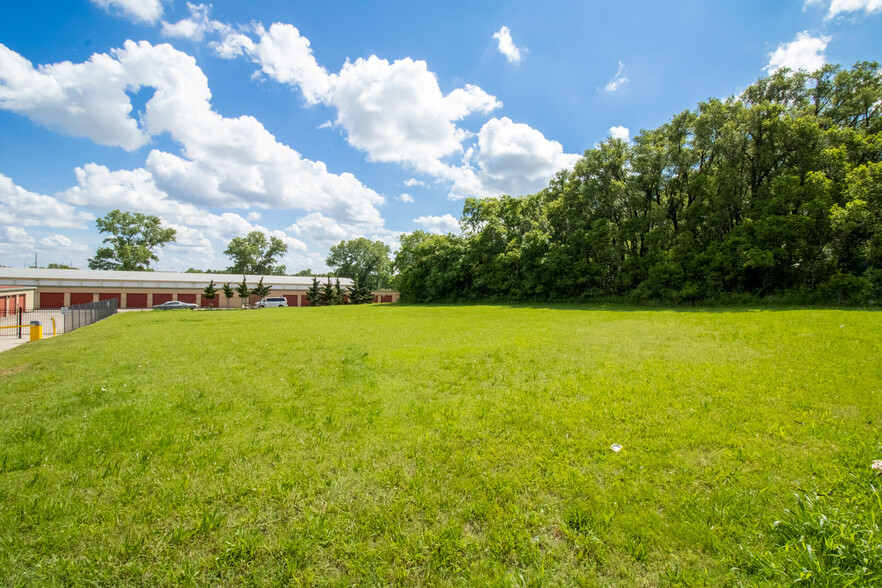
{"x": 19, "y": 322}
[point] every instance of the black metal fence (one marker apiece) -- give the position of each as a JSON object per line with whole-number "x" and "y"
{"x": 81, "y": 315}
{"x": 15, "y": 322}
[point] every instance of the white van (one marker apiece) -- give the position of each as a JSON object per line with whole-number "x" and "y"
{"x": 272, "y": 302}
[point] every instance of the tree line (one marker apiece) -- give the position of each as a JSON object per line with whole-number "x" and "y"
{"x": 777, "y": 192}
{"x": 329, "y": 294}
{"x": 134, "y": 238}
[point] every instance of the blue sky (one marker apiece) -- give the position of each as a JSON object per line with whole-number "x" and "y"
{"x": 322, "y": 121}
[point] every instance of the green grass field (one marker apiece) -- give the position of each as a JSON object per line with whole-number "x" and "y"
{"x": 448, "y": 445}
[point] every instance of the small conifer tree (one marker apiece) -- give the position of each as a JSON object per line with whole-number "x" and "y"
{"x": 228, "y": 292}
{"x": 338, "y": 293}
{"x": 360, "y": 294}
{"x": 210, "y": 293}
{"x": 327, "y": 296}
{"x": 261, "y": 290}
{"x": 314, "y": 293}
{"x": 244, "y": 292}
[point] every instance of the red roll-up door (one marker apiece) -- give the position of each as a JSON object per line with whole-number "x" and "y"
{"x": 109, "y": 295}
{"x": 208, "y": 302}
{"x": 191, "y": 298}
{"x": 51, "y": 299}
{"x": 81, "y": 297}
{"x": 387, "y": 298}
{"x": 3, "y": 306}
{"x": 136, "y": 301}
{"x": 161, "y": 298}
{"x": 292, "y": 299}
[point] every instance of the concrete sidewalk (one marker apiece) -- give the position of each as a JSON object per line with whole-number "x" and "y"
{"x": 7, "y": 343}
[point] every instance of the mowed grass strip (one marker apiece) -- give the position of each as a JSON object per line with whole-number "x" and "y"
{"x": 452, "y": 445}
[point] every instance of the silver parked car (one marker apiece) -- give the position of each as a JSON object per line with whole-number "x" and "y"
{"x": 174, "y": 304}
{"x": 273, "y": 302}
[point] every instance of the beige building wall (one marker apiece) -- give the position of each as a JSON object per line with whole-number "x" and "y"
{"x": 385, "y": 296}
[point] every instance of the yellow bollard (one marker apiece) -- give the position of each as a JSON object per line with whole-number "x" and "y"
{"x": 53, "y": 326}
{"x": 36, "y": 331}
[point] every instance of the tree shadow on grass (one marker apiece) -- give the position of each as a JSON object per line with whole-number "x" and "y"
{"x": 626, "y": 307}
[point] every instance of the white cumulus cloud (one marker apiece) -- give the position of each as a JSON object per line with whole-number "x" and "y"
{"x": 439, "y": 224}
{"x": 506, "y": 45}
{"x": 515, "y": 158}
{"x": 405, "y": 197}
{"x": 396, "y": 112}
{"x": 84, "y": 100}
{"x": 234, "y": 162}
{"x": 285, "y": 56}
{"x": 13, "y": 236}
{"x": 195, "y": 26}
{"x": 63, "y": 243}
{"x": 326, "y": 231}
{"x": 21, "y": 207}
{"x": 137, "y": 191}
{"x": 620, "y": 132}
{"x": 841, "y": 6}
{"x": 148, "y": 11}
{"x": 804, "y": 52}
{"x": 321, "y": 229}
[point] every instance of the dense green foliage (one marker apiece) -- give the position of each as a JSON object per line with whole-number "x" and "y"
{"x": 260, "y": 289}
{"x": 210, "y": 293}
{"x": 314, "y": 291}
{"x": 778, "y": 192}
{"x": 445, "y": 446}
{"x": 228, "y": 291}
{"x": 244, "y": 291}
{"x": 359, "y": 294}
{"x": 327, "y": 294}
{"x": 255, "y": 254}
{"x": 362, "y": 260}
{"x": 135, "y": 237}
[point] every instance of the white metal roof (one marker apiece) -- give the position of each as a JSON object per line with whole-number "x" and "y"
{"x": 113, "y": 279}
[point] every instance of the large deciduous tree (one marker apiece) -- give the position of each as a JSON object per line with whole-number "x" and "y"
{"x": 255, "y": 254}
{"x": 135, "y": 237}
{"x": 363, "y": 260}
{"x": 777, "y": 193}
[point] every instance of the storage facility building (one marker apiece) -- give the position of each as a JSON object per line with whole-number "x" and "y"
{"x": 57, "y": 288}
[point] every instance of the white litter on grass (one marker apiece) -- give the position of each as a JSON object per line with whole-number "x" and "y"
{"x": 615, "y": 447}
